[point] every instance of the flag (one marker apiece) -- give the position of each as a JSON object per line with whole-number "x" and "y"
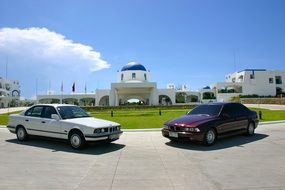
{"x": 61, "y": 88}
{"x": 73, "y": 87}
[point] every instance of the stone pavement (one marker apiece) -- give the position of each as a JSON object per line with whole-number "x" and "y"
{"x": 267, "y": 106}
{"x": 146, "y": 160}
{"x": 9, "y": 110}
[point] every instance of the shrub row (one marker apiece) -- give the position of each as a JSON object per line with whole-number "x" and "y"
{"x": 280, "y": 101}
{"x": 137, "y": 107}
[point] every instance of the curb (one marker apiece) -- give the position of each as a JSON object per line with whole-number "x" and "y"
{"x": 271, "y": 122}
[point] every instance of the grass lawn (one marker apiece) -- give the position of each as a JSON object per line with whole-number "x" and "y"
{"x": 3, "y": 119}
{"x": 150, "y": 118}
{"x": 140, "y": 119}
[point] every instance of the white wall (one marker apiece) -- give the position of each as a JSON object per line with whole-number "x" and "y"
{"x": 128, "y": 76}
{"x": 260, "y": 83}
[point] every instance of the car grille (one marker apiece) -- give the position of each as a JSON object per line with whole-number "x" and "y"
{"x": 175, "y": 128}
{"x": 107, "y": 130}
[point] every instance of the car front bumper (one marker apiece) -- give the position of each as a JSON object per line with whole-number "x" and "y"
{"x": 182, "y": 135}
{"x": 12, "y": 129}
{"x": 110, "y": 136}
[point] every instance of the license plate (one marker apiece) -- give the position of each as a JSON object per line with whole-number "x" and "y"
{"x": 115, "y": 136}
{"x": 173, "y": 134}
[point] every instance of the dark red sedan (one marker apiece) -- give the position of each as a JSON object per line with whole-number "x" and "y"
{"x": 207, "y": 122}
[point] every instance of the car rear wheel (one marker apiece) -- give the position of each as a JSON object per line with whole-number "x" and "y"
{"x": 210, "y": 137}
{"x": 250, "y": 129}
{"x": 76, "y": 140}
{"x": 21, "y": 134}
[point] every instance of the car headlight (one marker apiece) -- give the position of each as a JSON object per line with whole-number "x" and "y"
{"x": 191, "y": 129}
{"x": 166, "y": 127}
{"x": 97, "y": 130}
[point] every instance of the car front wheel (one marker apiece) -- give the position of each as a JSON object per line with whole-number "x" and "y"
{"x": 250, "y": 129}
{"x": 76, "y": 140}
{"x": 21, "y": 134}
{"x": 210, "y": 137}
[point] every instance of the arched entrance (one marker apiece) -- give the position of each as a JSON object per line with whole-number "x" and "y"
{"x": 164, "y": 100}
{"x": 192, "y": 98}
{"x": 180, "y": 97}
{"x": 133, "y": 100}
{"x": 208, "y": 96}
{"x": 49, "y": 101}
{"x": 87, "y": 102}
{"x": 15, "y": 93}
{"x": 70, "y": 101}
{"x": 104, "y": 101}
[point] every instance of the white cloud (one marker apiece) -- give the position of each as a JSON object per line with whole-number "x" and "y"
{"x": 40, "y": 43}
{"x": 41, "y": 53}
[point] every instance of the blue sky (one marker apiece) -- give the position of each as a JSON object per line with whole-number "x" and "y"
{"x": 180, "y": 42}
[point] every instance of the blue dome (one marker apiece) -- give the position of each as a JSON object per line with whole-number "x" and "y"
{"x": 133, "y": 66}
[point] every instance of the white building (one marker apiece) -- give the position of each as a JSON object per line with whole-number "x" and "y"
{"x": 9, "y": 92}
{"x": 250, "y": 81}
{"x": 133, "y": 82}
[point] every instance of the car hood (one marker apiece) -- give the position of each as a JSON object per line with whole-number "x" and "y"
{"x": 190, "y": 120}
{"x": 91, "y": 122}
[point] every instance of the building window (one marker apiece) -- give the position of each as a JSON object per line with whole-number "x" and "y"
{"x": 240, "y": 78}
{"x": 270, "y": 80}
{"x": 144, "y": 76}
{"x": 122, "y": 77}
{"x": 278, "y": 79}
{"x": 251, "y": 76}
{"x": 234, "y": 80}
{"x": 133, "y": 75}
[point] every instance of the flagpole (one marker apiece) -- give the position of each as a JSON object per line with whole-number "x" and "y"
{"x": 61, "y": 89}
{"x": 7, "y": 79}
{"x": 36, "y": 90}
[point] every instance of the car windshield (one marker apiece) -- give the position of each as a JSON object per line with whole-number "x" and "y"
{"x": 70, "y": 112}
{"x": 209, "y": 110}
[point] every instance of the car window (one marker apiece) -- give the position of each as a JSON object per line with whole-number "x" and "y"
{"x": 210, "y": 110}
{"x": 229, "y": 110}
{"x": 70, "y": 112}
{"x": 48, "y": 111}
{"x": 35, "y": 111}
{"x": 240, "y": 110}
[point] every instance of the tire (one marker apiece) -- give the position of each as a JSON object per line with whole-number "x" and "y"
{"x": 22, "y": 134}
{"x": 76, "y": 140}
{"x": 250, "y": 129}
{"x": 210, "y": 137}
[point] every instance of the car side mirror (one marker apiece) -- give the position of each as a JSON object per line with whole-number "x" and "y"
{"x": 55, "y": 117}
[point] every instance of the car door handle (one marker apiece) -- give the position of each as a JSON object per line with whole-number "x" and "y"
{"x": 43, "y": 122}
{"x": 26, "y": 120}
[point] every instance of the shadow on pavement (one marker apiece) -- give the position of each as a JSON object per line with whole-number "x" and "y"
{"x": 234, "y": 141}
{"x": 55, "y": 145}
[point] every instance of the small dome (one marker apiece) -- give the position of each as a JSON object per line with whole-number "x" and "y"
{"x": 133, "y": 66}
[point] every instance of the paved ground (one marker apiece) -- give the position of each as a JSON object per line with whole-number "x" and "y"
{"x": 145, "y": 160}
{"x": 9, "y": 110}
{"x": 267, "y": 106}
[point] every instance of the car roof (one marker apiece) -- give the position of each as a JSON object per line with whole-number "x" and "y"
{"x": 220, "y": 103}
{"x": 54, "y": 105}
